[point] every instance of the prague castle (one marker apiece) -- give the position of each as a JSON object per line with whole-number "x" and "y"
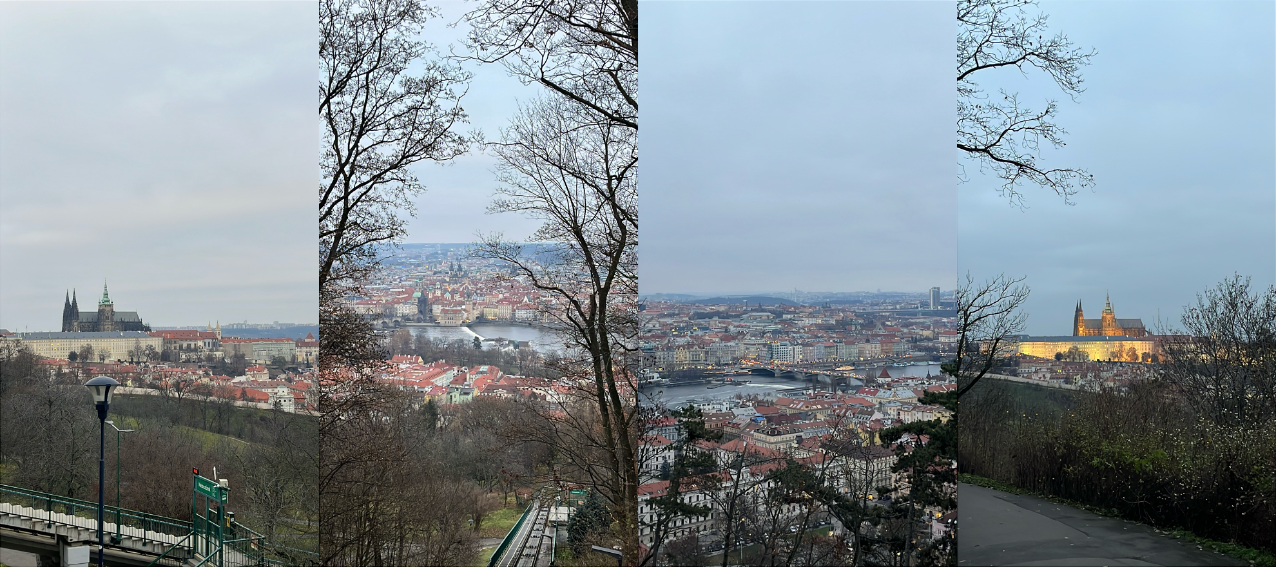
{"x": 1107, "y": 338}
{"x": 1107, "y": 325}
{"x": 104, "y": 319}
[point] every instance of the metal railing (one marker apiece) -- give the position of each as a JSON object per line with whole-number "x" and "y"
{"x": 242, "y": 546}
{"x": 505, "y": 543}
{"x": 247, "y": 547}
{"x": 159, "y": 560}
{"x": 53, "y": 509}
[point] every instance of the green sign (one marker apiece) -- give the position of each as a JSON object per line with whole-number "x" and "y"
{"x": 209, "y": 488}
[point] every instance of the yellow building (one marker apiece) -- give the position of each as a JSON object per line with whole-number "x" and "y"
{"x": 1092, "y": 348}
{"x": 107, "y": 345}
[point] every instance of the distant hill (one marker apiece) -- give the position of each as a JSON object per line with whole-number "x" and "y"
{"x": 662, "y": 297}
{"x": 291, "y": 332}
{"x": 534, "y": 250}
{"x": 764, "y": 300}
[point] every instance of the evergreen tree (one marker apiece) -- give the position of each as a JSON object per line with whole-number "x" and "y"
{"x": 591, "y": 518}
{"x": 430, "y": 415}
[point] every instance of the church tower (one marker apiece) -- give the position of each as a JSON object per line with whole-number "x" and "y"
{"x": 75, "y": 312}
{"x": 68, "y": 317}
{"x": 1078, "y": 322}
{"x": 105, "y": 311}
{"x": 1109, "y": 319}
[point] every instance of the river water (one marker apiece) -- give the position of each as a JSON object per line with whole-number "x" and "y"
{"x": 540, "y": 339}
{"x": 764, "y": 386}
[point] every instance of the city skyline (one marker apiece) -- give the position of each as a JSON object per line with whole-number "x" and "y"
{"x": 1177, "y": 125}
{"x": 167, "y": 148}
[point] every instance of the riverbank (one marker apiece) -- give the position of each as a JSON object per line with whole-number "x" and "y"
{"x": 541, "y": 338}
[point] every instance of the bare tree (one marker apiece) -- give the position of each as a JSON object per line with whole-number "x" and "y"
{"x": 44, "y": 429}
{"x": 1226, "y": 353}
{"x": 989, "y": 317}
{"x": 1004, "y": 136}
{"x": 583, "y": 50}
{"x": 562, "y": 164}
{"x": 377, "y": 121}
{"x": 380, "y": 116}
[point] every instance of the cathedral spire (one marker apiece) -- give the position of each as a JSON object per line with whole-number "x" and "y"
{"x": 106, "y": 297}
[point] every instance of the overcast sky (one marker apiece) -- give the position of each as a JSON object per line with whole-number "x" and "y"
{"x": 454, "y": 205}
{"x": 1177, "y": 125}
{"x": 166, "y": 147}
{"x": 797, "y": 145}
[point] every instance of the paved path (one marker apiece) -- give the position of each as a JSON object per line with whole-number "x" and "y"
{"x": 1003, "y": 529}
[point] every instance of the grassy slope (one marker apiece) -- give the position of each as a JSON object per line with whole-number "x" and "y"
{"x": 499, "y": 522}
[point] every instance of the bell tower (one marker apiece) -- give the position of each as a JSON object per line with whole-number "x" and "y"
{"x": 1109, "y": 319}
{"x": 105, "y": 311}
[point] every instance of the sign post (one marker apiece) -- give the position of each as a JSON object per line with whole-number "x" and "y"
{"x": 208, "y": 526}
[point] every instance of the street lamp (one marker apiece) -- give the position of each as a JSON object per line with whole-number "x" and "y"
{"x": 102, "y": 389}
{"x": 117, "y": 478}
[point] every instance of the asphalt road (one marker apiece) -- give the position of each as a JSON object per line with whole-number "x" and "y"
{"x": 1003, "y": 529}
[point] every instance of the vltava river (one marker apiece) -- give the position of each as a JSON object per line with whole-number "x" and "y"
{"x": 542, "y": 340}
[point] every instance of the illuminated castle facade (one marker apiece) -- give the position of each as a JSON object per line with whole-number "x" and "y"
{"x": 1107, "y": 325}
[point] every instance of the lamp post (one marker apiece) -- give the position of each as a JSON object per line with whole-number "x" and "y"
{"x": 117, "y": 477}
{"x": 102, "y": 389}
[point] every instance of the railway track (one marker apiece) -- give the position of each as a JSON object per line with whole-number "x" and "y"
{"x": 534, "y": 543}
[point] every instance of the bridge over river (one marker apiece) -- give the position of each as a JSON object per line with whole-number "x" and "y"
{"x": 58, "y": 529}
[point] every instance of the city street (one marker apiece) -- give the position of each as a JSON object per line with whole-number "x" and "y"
{"x": 1003, "y": 529}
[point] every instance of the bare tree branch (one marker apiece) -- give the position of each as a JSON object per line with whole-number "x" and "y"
{"x": 989, "y": 319}
{"x": 377, "y": 121}
{"x": 1003, "y": 137}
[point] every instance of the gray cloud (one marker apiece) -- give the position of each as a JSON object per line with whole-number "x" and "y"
{"x": 797, "y": 145}
{"x": 1177, "y": 124}
{"x": 167, "y": 147}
